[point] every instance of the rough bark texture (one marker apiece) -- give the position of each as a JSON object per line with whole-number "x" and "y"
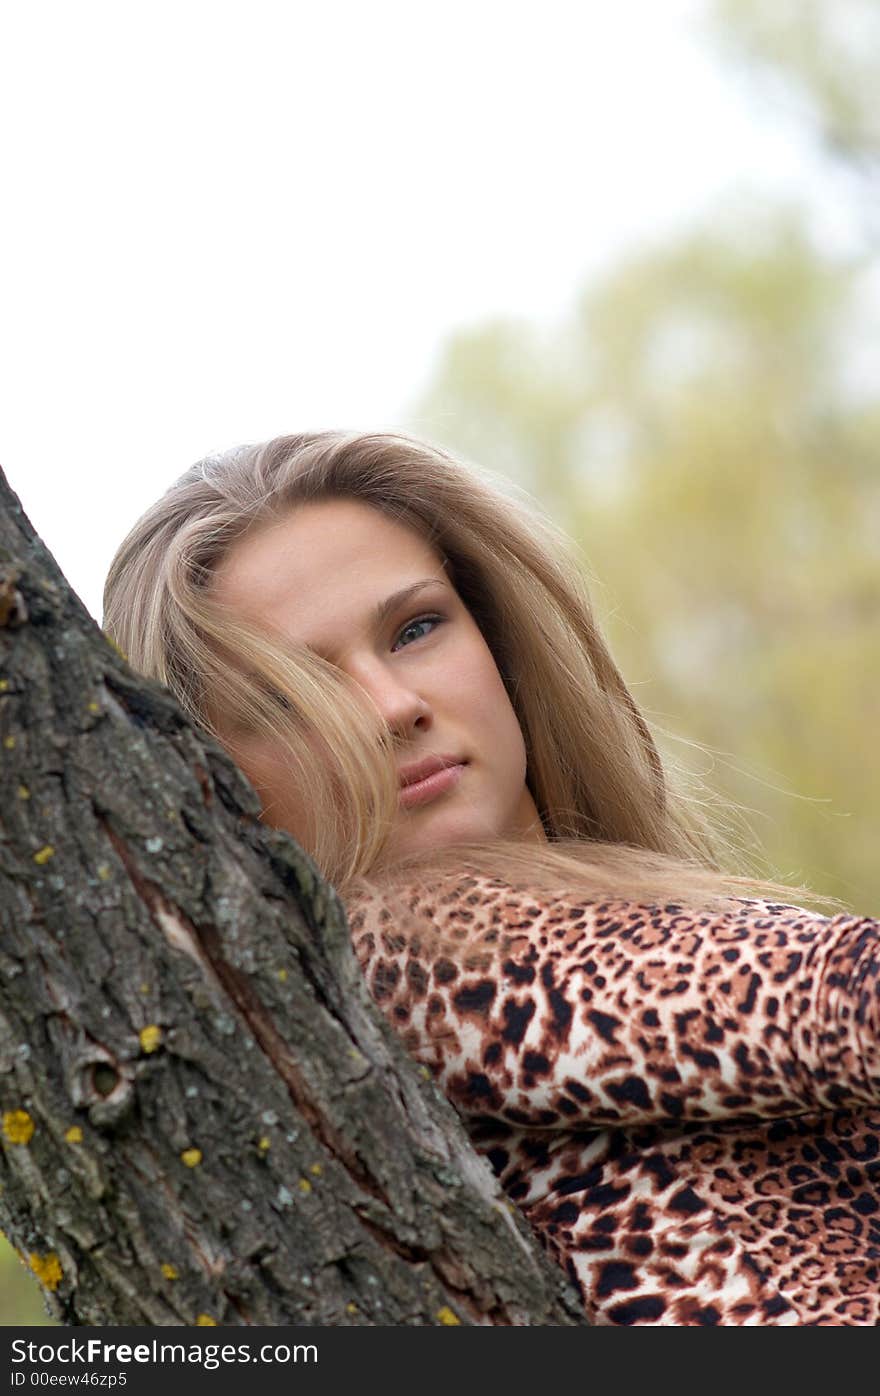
{"x": 204, "y": 1119}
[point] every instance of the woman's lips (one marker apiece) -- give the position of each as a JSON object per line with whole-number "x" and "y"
{"x": 420, "y": 791}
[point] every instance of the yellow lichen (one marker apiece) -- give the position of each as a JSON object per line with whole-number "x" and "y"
{"x": 23, "y": 793}
{"x": 9, "y": 743}
{"x": 150, "y": 1037}
{"x": 191, "y": 1157}
{"x": 282, "y": 975}
{"x": 44, "y": 854}
{"x": 169, "y": 1272}
{"x": 351, "y": 1308}
{"x": 94, "y": 707}
{"x": 18, "y": 1126}
{"x": 206, "y": 1321}
{"x": 4, "y": 684}
{"x": 74, "y": 1135}
{"x": 305, "y": 1185}
{"x": 264, "y": 1144}
{"x": 47, "y": 1269}
{"x": 424, "y": 1072}
{"x": 103, "y": 871}
{"x": 446, "y": 1316}
{"x": 316, "y": 1169}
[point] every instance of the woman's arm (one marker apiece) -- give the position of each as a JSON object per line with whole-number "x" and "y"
{"x": 551, "y": 1011}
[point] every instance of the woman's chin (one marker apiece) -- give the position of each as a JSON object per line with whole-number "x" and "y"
{"x": 438, "y": 834}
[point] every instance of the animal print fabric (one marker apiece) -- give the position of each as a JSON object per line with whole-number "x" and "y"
{"x": 685, "y": 1105}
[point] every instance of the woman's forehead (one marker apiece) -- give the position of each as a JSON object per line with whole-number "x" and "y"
{"x": 328, "y": 563}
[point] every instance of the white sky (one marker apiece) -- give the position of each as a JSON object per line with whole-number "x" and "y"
{"x": 222, "y": 221}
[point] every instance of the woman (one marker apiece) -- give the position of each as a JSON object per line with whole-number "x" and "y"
{"x": 676, "y": 1083}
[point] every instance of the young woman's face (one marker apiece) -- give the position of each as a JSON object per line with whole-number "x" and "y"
{"x": 319, "y": 577}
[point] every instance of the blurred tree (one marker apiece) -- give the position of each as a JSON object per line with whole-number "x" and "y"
{"x": 697, "y": 426}
{"x": 21, "y": 1299}
{"x": 821, "y": 58}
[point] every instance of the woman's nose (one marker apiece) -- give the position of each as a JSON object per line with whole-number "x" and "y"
{"x": 401, "y": 705}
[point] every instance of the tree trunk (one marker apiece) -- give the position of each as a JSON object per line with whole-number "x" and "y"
{"x": 204, "y": 1118}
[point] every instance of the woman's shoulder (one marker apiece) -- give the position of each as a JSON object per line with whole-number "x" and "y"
{"x": 518, "y": 905}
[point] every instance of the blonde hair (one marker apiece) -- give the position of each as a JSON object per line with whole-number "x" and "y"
{"x": 616, "y": 823}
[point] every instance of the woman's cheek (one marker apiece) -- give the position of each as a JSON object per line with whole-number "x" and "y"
{"x": 260, "y": 763}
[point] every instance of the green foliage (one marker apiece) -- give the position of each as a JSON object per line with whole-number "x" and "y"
{"x": 821, "y": 53}
{"x": 21, "y": 1299}
{"x": 694, "y": 426}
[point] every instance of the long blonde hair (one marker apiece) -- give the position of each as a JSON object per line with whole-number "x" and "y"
{"x": 618, "y": 822}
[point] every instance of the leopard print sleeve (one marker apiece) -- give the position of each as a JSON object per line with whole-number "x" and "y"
{"x": 552, "y": 1011}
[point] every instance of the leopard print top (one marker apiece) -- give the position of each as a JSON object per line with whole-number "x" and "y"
{"x": 685, "y": 1105}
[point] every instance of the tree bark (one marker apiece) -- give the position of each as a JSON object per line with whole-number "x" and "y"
{"x": 203, "y": 1117}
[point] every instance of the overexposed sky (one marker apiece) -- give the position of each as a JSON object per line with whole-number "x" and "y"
{"x": 222, "y": 221}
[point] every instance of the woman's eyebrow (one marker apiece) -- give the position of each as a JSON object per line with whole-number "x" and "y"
{"x": 385, "y": 608}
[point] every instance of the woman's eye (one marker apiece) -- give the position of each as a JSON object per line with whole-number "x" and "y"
{"x": 276, "y": 697}
{"x": 413, "y": 628}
